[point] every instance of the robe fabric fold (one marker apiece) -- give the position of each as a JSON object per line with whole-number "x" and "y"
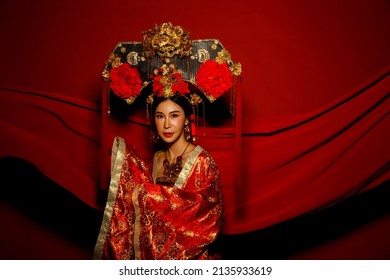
{"x": 145, "y": 220}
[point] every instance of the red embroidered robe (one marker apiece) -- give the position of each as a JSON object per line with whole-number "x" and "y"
{"x": 144, "y": 220}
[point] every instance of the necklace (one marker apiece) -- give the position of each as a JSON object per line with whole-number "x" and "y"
{"x": 172, "y": 170}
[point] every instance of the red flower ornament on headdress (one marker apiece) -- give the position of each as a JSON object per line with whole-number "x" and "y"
{"x": 214, "y": 79}
{"x": 168, "y": 82}
{"x": 125, "y": 82}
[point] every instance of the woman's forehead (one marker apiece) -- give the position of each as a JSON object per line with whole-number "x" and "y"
{"x": 168, "y": 106}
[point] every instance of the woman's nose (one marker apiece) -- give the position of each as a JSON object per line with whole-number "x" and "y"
{"x": 167, "y": 123}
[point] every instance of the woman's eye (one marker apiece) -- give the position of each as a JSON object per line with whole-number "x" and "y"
{"x": 159, "y": 116}
{"x": 174, "y": 115}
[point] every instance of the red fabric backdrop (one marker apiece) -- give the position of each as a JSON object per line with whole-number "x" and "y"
{"x": 315, "y": 95}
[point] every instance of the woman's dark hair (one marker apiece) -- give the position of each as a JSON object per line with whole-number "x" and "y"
{"x": 180, "y": 100}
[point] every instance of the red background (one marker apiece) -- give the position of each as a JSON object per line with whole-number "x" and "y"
{"x": 299, "y": 59}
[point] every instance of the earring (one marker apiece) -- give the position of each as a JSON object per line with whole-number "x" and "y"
{"x": 154, "y": 137}
{"x": 187, "y": 132}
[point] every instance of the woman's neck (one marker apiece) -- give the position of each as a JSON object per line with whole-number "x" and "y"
{"x": 177, "y": 149}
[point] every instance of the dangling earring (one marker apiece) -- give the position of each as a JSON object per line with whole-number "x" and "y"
{"x": 154, "y": 137}
{"x": 193, "y": 123}
{"x": 187, "y": 131}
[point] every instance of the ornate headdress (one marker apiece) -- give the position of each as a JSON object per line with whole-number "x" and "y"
{"x": 169, "y": 61}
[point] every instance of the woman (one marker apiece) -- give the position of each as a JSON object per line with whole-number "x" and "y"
{"x": 174, "y": 211}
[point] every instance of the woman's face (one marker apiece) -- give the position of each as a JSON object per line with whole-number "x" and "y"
{"x": 170, "y": 120}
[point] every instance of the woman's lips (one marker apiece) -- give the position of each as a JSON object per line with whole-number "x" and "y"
{"x": 168, "y": 134}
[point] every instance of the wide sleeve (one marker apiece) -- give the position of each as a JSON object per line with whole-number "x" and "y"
{"x": 180, "y": 223}
{"x": 115, "y": 240}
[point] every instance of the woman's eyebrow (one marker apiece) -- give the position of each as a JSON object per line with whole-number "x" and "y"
{"x": 171, "y": 112}
{"x": 175, "y": 111}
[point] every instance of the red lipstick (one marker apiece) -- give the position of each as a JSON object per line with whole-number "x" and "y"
{"x": 168, "y": 134}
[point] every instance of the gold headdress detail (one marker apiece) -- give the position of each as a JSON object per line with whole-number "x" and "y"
{"x": 169, "y": 60}
{"x": 166, "y": 41}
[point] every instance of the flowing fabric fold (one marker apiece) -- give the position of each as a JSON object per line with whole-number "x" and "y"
{"x": 300, "y": 164}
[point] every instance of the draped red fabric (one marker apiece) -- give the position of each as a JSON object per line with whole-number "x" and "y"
{"x": 303, "y": 140}
{"x": 58, "y": 134}
{"x": 289, "y": 166}
{"x": 297, "y": 164}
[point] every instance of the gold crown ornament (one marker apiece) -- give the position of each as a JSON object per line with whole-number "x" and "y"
{"x": 171, "y": 62}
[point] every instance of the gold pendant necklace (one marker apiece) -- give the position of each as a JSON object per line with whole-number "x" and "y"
{"x": 172, "y": 170}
